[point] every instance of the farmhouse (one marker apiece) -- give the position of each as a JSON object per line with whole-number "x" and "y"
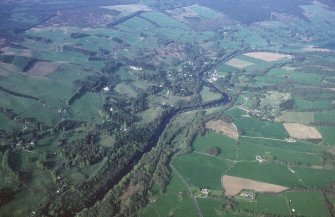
{"x": 106, "y": 89}
{"x": 205, "y": 191}
{"x": 136, "y": 68}
{"x": 260, "y": 159}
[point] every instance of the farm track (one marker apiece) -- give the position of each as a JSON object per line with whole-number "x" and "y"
{"x": 189, "y": 189}
{"x": 234, "y": 161}
{"x": 258, "y": 137}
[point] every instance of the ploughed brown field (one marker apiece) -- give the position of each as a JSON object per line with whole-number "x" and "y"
{"x": 43, "y": 68}
{"x": 234, "y": 185}
{"x": 267, "y": 56}
{"x": 300, "y": 131}
{"x": 221, "y": 126}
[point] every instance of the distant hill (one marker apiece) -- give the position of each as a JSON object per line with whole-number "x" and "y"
{"x": 249, "y": 11}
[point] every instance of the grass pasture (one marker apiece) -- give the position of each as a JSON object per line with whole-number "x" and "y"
{"x": 238, "y": 63}
{"x": 269, "y": 172}
{"x": 164, "y": 20}
{"x": 257, "y": 128}
{"x": 325, "y": 116}
{"x": 306, "y": 78}
{"x": 8, "y": 124}
{"x": 248, "y": 150}
{"x": 314, "y": 177}
{"x": 204, "y": 11}
{"x": 277, "y": 150}
{"x": 309, "y": 204}
{"x": 175, "y": 201}
{"x": 266, "y": 203}
{"x": 208, "y": 95}
{"x": 317, "y": 105}
{"x": 328, "y": 135}
{"x": 201, "y": 170}
{"x": 218, "y": 140}
{"x": 87, "y": 107}
{"x": 298, "y": 146}
{"x": 210, "y": 207}
{"x": 224, "y": 69}
{"x": 273, "y": 76}
{"x": 235, "y": 112}
{"x": 297, "y": 117}
{"x": 18, "y": 104}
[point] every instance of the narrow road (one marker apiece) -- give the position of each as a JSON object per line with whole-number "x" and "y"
{"x": 234, "y": 161}
{"x": 190, "y": 190}
{"x": 256, "y": 137}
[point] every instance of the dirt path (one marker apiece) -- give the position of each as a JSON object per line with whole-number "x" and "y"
{"x": 234, "y": 161}
{"x": 256, "y": 137}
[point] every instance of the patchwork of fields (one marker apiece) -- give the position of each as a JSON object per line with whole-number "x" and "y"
{"x": 166, "y": 110}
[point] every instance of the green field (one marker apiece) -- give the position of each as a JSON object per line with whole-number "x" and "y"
{"x": 204, "y": 12}
{"x": 257, "y": 128}
{"x": 124, "y": 126}
{"x": 315, "y": 177}
{"x": 266, "y": 203}
{"x": 200, "y": 170}
{"x": 268, "y": 172}
{"x": 326, "y": 116}
{"x": 210, "y": 207}
{"x": 208, "y": 95}
{"x": 328, "y": 135}
{"x": 175, "y": 200}
{"x": 309, "y": 204}
{"x": 218, "y": 140}
{"x": 299, "y": 146}
{"x": 306, "y": 105}
{"x": 298, "y": 117}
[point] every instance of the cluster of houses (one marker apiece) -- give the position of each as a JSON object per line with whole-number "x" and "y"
{"x": 248, "y": 194}
{"x": 27, "y": 146}
{"x": 290, "y": 140}
{"x": 205, "y": 192}
{"x": 213, "y": 77}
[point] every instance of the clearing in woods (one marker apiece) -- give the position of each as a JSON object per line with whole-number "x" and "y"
{"x": 234, "y": 185}
{"x": 229, "y": 129}
{"x": 268, "y": 56}
{"x": 300, "y": 131}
